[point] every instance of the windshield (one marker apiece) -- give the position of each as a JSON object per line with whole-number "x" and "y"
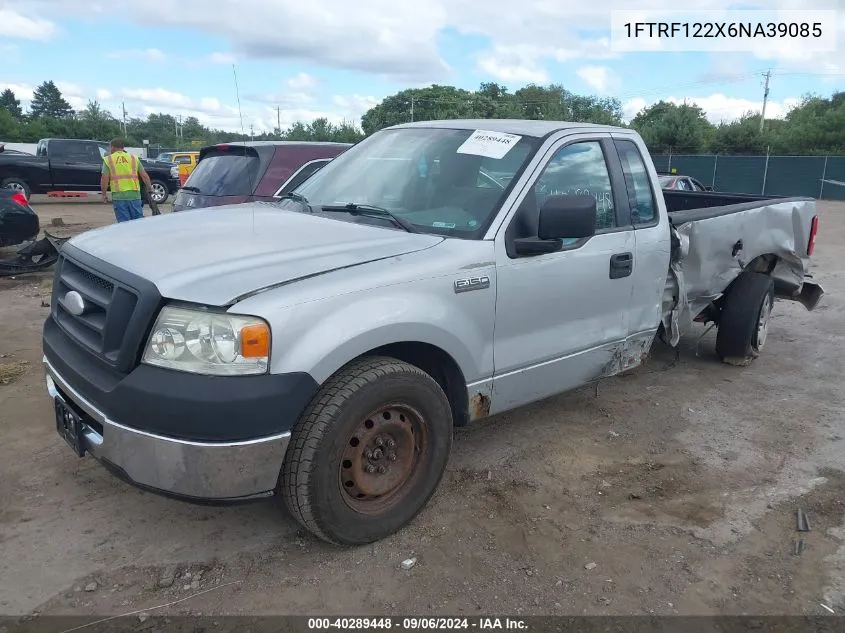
{"x": 665, "y": 180}
{"x": 449, "y": 182}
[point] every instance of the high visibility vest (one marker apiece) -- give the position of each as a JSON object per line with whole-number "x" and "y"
{"x": 123, "y": 169}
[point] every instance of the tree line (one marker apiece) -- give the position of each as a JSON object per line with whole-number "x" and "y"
{"x": 815, "y": 126}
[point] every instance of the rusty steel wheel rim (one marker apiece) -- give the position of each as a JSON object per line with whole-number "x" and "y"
{"x": 381, "y": 458}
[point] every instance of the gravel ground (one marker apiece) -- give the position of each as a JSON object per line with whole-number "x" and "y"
{"x": 672, "y": 490}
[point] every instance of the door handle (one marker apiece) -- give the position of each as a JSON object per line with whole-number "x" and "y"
{"x": 621, "y": 265}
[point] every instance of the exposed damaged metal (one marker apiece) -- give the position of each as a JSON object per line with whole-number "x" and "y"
{"x": 713, "y": 246}
{"x": 479, "y": 406}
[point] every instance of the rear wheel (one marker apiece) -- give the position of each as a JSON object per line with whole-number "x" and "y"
{"x": 744, "y": 320}
{"x": 16, "y": 184}
{"x": 158, "y": 192}
{"x": 368, "y": 453}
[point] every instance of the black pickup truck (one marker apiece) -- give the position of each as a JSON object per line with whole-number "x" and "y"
{"x": 74, "y": 165}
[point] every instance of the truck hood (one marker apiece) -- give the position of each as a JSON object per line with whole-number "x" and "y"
{"x": 213, "y": 256}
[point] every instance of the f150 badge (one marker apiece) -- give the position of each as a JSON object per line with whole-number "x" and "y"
{"x": 472, "y": 283}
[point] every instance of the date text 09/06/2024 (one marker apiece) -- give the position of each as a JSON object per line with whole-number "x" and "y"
{"x": 412, "y": 623}
{"x": 723, "y": 29}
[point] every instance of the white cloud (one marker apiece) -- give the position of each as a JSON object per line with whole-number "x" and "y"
{"x": 23, "y": 92}
{"x": 156, "y": 97}
{"x": 717, "y": 107}
{"x": 512, "y": 64}
{"x": 14, "y": 24}
{"x": 104, "y": 95}
{"x": 352, "y": 108}
{"x": 600, "y": 78}
{"x": 303, "y": 81}
{"x": 222, "y": 58}
{"x": 148, "y": 54}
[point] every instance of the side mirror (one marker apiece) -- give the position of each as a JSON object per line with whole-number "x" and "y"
{"x": 567, "y": 217}
{"x": 708, "y": 188}
{"x": 561, "y": 217}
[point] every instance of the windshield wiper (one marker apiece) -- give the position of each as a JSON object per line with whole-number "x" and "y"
{"x": 194, "y": 189}
{"x": 372, "y": 211}
{"x": 297, "y": 197}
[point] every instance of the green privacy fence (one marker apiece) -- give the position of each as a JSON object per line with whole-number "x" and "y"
{"x": 762, "y": 175}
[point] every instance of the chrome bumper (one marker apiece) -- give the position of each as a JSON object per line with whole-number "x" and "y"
{"x": 210, "y": 471}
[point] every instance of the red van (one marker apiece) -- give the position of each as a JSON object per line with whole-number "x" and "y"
{"x": 231, "y": 173}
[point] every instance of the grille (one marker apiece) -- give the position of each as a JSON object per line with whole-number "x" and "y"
{"x": 108, "y": 309}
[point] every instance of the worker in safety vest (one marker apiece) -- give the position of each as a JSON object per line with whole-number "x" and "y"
{"x": 124, "y": 172}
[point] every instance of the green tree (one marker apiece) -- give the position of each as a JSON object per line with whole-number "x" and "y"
{"x": 47, "y": 101}
{"x": 739, "y": 137}
{"x": 10, "y": 103}
{"x": 667, "y": 126}
{"x": 816, "y": 126}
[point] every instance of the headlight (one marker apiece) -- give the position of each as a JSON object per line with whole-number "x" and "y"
{"x": 203, "y": 342}
{"x": 174, "y": 171}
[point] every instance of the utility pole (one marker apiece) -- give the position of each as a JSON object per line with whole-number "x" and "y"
{"x": 123, "y": 107}
{"x": 412, "y": 109}
{"x": 279, "y": 119}
{"x": 767, "y": 75}
{"x": 251, "y": 133}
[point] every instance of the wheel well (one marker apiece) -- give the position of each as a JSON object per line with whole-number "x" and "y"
{"x": 437, "y": 364}
{"x": 762, "y": 264}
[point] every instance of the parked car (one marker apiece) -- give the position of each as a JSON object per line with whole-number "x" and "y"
{"x": 681, "y": 183}
{"x": 18, "y": 222}
{"x": 187, "y": 162}
{"x": 323, "y": 348}
{"x": 9, "y": 151}
{"x": 231, "y": 173}
{"x": 74, "y": 165}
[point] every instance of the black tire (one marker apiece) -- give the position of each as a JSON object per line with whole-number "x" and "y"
{"x": 159, "y": 192}
{"x": 318, "y": 468}
{"x": 13, "y": 182}
{"x": 743, "y": 324}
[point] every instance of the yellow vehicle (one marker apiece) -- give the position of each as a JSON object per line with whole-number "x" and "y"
{"x": 187, "y": 161}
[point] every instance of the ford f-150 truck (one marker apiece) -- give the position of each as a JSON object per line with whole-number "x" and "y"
{"x": 75, "y": 165}
{"x": 323, "y": 347}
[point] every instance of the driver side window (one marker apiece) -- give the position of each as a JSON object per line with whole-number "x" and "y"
{"x": 580, "y": 169}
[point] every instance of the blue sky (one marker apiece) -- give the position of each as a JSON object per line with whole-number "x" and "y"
{"x": 336, "y": 59}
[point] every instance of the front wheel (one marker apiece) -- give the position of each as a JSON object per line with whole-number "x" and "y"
{"x": 368, "y": 453}
{"x": 744, "y": 321}
{"x": 17, "y": 184}
{"x": 158, "y": 192}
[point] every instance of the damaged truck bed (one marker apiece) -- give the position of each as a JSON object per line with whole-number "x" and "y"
{"x": 716, "y": 237}
{"x": 438, "y": 272}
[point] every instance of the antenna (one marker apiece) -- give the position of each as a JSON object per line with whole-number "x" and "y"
{"x": 238, "y": 96}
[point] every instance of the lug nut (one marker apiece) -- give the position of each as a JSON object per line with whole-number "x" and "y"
{"x": 382, "y": 470}
{"x": 379, "y": 441}
{"x": 391, "y": 456}
{"x": 391, "y": 443}
{"x": 368, "y": 454}
{"x": 371, "y": 469}
{"x": 378, "y": 454}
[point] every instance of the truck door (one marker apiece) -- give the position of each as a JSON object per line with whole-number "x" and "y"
{"x": 651, "y": 232}
{"x": 562, "y": 317}
{"x": 75, "y": 165}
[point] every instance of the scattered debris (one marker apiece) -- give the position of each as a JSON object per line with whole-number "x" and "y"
{"x": 803, "y": 521}
{"x": 612, "y": 433}
{"x": 167, "y": 577}
{"x": 798, "y": 547}
{"x": 590, "y": 566}
{"x": 547, "y": 506}
{"x": 195, "y": 585}
{"x": 10, "y": 372}
{"x": 489, "y": 475}
{"x": 604, "y": 600}
{"x": 91, "y": 586}
{"x": 57, "y": 222}
{"x": 824, "y": 606}
{"x": 33, "y": 256}
{"x": 634, "y": 496}
{"x": 143, "y": 617}
{"x": 409, "y": 563}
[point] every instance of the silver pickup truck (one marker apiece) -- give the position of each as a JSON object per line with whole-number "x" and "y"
{"x": 323, "y": 347}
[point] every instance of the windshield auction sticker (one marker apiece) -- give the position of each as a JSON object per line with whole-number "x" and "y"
{"x": 489, "y": 144}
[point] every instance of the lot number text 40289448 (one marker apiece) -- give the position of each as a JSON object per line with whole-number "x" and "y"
{"x": 413, "y": 623}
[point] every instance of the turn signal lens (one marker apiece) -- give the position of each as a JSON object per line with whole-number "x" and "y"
{"x": 255, "y": 341}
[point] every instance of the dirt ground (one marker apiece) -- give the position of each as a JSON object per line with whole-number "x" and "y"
{"x": 672, "y": 491}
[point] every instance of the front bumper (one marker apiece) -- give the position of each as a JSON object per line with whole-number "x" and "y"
{"x": 192, "y": 470}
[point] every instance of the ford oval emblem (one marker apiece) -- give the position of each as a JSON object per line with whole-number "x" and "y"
{"x": 74, "y": 303}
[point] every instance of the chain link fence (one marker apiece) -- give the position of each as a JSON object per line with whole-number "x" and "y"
{"x": 811, "y": 176}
